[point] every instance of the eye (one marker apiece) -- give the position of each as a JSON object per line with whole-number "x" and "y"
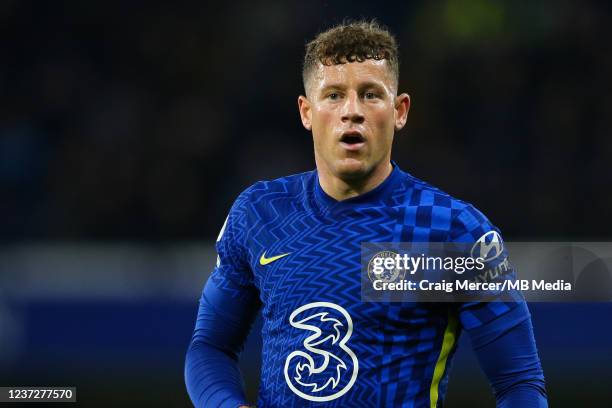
{"x": 333, "y": 96}
{"x": 370, "y": 95}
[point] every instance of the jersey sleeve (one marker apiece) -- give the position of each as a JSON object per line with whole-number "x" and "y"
{"x": 470, "y": 226}
{"x": 500, "y": 329}
{"x": 511, "y": 363}
{"x": 228, "y": 307}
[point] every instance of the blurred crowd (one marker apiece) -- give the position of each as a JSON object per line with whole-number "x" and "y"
{"x": 144, "y": 120}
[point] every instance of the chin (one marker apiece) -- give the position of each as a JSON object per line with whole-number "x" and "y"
{"x": 350, "y": 169}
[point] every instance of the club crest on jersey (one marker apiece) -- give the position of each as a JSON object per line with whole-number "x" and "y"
{"x": 325, "y": 368}
{"x": 392, "y": 274}
{"x": 488, "y": 247}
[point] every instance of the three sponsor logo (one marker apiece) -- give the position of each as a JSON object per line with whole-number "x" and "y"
{"x": 325, "y": 361}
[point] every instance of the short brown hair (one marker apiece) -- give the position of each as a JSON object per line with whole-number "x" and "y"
{"x": 350, "y": 42}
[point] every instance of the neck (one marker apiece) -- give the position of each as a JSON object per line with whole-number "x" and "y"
{"x": 344, "y": 188}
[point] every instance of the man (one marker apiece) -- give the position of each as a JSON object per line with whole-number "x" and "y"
{"x": 292, "y": 248}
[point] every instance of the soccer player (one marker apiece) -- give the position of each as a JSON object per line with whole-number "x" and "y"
{"x": 291, "y": 248}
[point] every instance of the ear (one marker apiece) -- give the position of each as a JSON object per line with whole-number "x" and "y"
{"x": 402, "y": 106}
{"x": 305, "y": 112}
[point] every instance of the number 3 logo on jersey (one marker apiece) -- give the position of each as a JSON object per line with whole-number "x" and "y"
{"x": 325, "y": 368}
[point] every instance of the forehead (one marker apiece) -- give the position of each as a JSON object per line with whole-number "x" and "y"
{"x": 353, "y": 73}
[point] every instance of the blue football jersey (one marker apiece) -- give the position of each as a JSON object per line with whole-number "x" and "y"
{"x": 296, "y": 249}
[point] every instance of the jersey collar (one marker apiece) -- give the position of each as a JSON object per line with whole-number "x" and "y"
{"x": 378, "y": 193}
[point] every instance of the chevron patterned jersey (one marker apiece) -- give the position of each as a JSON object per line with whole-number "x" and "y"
{"x": 293, "y": 251}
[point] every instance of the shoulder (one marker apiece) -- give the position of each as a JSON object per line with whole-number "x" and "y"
{"x": 462, "y": 220}
{"x": 288, "y": 187}
{"x": 278, "y": 196}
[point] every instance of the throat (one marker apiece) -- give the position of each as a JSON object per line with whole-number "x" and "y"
{"x": 344, "y": 188}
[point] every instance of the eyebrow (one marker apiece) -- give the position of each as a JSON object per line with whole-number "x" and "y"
{"x": 332, "y": 86}
{"x": 364, "y": 85}
{"x": 371, "y": 84}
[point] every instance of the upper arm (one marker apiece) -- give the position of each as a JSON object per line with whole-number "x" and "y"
{"x": 230, "y": 299}
{"x": 484, "y": 240}
{"x": 499, "y": 324}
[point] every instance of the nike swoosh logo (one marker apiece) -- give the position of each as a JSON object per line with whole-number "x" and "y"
{"x": 265, "y": 261}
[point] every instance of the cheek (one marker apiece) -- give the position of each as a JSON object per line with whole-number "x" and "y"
{"x": 385, "y": 123}
{"x": 322, "y": 121}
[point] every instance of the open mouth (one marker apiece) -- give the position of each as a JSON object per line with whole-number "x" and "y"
{"x": 352, "y": 138}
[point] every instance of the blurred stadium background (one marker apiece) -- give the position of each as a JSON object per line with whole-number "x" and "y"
{"x": 128, "y": 128}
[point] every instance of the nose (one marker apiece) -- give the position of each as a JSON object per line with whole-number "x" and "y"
{"x": 352, "y": 110}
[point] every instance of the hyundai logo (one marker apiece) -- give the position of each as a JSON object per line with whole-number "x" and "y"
{"x": 488, "y": 247}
